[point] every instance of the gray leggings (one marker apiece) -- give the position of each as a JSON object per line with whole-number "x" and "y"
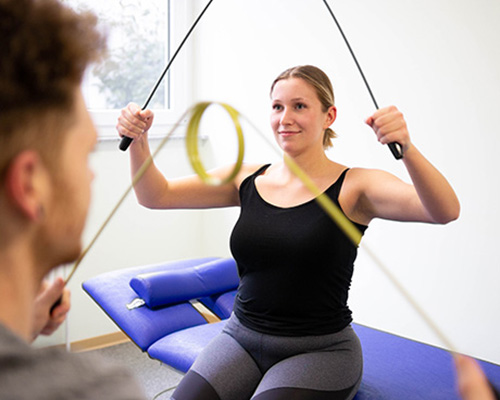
{"x": 241, "y": 364}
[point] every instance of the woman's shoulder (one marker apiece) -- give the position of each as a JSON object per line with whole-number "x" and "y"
{"x": 360, "y": 182}
{"x": 359, "y": 174}
{"x": 247, "y": 170}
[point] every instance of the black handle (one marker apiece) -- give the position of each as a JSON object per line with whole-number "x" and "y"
{"x": 396, "y": 150}
{"x": 125, "y": 142}
{"x": 57, "y": 303}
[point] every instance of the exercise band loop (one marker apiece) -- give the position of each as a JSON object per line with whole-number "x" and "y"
{"x": 197, "y": 112}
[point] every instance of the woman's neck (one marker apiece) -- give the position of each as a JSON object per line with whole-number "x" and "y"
{"x": 312, "y": 163}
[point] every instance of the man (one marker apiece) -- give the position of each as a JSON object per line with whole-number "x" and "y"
{"x": 46, "y": 136}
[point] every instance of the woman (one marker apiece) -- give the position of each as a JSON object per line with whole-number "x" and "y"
{"x": 290, "y": 333}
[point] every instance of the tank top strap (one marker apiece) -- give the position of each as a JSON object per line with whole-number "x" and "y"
{"x": 334, "y": 190}
{"x": 253, "y": 175}
{"x": 259, "y": 171}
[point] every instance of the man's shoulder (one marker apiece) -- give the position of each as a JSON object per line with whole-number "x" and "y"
{"x": 48, "y": 373}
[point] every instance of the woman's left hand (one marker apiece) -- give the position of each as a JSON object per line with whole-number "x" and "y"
{"x": 430, "y": 199}
{"x": 390, "y": 126}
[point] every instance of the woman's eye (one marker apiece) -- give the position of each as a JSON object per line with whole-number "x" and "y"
{"x": 300, "y": 106}
{"x": 277, "y": 107}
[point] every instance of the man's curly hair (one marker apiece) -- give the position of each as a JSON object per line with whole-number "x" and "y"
{"x": 46, "y": 48}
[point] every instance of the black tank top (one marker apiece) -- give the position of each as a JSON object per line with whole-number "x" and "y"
{"x": 295, "y": 265}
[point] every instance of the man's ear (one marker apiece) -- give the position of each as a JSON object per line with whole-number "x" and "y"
{"x": 24, "y": 184}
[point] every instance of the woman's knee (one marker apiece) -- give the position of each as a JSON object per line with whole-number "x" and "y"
{"x": 194, "y": 387}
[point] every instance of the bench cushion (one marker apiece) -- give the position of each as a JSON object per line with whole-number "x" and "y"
{"x": 170, "y": 286}
{"x": 220, "y": 304}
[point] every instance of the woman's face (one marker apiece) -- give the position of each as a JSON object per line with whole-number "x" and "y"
{"x": 297, "y": 117}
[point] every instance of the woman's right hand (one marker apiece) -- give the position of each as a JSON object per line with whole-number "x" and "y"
{"x": 134, "y": 122}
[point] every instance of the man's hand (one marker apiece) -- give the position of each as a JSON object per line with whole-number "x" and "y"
{"x": 46, "y": 322}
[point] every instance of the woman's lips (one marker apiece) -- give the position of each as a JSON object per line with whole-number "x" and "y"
{"x": 288, "y": 133}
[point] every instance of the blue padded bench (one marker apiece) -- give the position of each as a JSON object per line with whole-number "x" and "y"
{"x": 171, "y": 330}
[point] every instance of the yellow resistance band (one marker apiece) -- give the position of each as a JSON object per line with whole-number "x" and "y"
{"x": 192, "y": 143}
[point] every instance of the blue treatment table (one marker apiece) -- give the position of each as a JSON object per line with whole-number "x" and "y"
{"x": 152, "y": 304}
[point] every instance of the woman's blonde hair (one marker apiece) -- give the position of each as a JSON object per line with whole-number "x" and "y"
{"x": 321, "y": 84}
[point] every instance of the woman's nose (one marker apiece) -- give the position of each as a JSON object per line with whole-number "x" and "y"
{"x": 286, "y": 117}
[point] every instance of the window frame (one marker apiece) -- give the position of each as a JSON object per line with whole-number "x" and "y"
{"x": 178, "y": 96}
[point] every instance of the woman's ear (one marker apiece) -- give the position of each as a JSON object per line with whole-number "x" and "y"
{"x": 25, "y": 184}
{"x": 331, "y": 116}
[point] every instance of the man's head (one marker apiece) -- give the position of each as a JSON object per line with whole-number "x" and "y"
{"x": 45, "y": 131}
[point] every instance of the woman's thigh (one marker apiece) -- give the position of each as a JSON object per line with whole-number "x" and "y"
{"x": 223, "y": 371}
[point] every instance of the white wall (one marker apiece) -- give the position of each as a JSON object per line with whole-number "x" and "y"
{"x": 437, "y": 60}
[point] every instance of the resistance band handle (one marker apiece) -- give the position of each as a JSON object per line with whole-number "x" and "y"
{"x": 57, "y": 303}
{"x": 396, "y": 150}
{"x": 125, "y": 142}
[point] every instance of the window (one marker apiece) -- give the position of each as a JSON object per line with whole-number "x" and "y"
{"x": 142, "y": 35}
